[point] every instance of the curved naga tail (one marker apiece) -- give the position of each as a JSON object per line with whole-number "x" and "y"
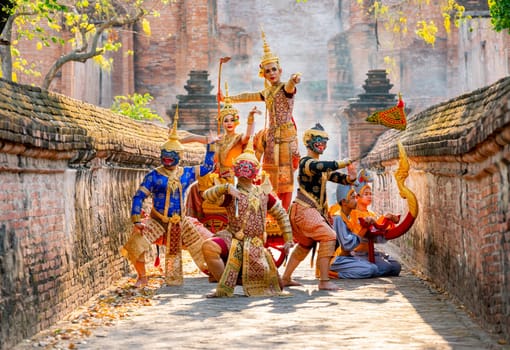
{"x": 400, "y": 176}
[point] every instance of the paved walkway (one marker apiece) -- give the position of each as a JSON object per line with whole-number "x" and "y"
{"x": 383, "y": 313}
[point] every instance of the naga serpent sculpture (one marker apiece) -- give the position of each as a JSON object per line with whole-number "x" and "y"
{"x": 387, "y": 229}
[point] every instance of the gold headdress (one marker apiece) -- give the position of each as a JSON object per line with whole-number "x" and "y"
{"x": 268, "y": 56}
{"x": 363, "y": 180}
{"x": 173, "y": 143}
{"x": 228, "y": 108}
{"x": 248, "y": 154}
{"x": 317, "y": 130}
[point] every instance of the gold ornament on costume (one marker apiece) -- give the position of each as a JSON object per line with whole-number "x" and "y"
{"x": 268, "y": 56}
{"x": 228, "y": 108}
{"x": 173, "y": 143}
{"x": 248, "y": 154}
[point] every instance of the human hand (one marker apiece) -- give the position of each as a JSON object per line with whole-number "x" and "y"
{"x": 351, "y": 172}
{"x": 139, "y": 226}
{"x": 369, "y": 220}
{"x": 234, "y": 192}
{"x": 212, "y": 137}
{"x": 296, "y": 78}
{"x": 287, "y": 246}
{"x": 392, "y": 217}
{"x": 254, "y": 110}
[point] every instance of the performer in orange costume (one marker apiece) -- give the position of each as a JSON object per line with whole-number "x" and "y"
{"x": 228, "y": 146}
{"x": 387, "y": 265}
{"x": 344, "y": 265}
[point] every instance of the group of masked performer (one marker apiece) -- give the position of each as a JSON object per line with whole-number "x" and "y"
{"x": 229, "y": 177}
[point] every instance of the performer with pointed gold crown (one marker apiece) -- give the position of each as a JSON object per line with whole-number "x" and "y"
{"x": 232, "y": 144}
{"x": 243, "y": 240}
{"x": 278, "y": 141}
{"x": 308, "y": 212}
{"x": 228, "y": 146}
{"x": 166, "y": 225}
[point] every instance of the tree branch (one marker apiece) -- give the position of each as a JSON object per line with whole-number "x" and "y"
{"x": 85, "y": 52}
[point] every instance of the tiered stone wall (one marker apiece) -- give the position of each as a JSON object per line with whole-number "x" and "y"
{"x": 68, "y": 171}
{"x": 459, "y": 153}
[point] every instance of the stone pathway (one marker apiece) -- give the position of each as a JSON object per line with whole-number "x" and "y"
{"x": 385, "y": 313}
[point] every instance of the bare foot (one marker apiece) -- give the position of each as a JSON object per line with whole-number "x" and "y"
{"x": 327, "y": 285}
{"x": 141, "y": 282}
{"x": 290, "y": 283}
{"x": 212, "y": 295}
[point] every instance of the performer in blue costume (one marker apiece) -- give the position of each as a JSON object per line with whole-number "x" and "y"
{"x": 167, "y": 225}
{"x": 387, "y": 265}
{"x": 343, "y": 264}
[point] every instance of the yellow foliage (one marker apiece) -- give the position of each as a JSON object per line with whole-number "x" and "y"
{"x": 427, "y": 31}
{"x": 101, "y": 61}
{"x": 447, "y": 23}
{"x": 146, "y": 26}
{"x": 390, "y": 63}
{"x": 55, "y": 26}
{"x": 39, "y": 45}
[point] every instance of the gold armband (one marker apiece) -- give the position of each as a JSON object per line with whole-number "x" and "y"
{"x": 343, "y": 163}
{"x": 214, "y": 193}
{"x": 247, "y": 97}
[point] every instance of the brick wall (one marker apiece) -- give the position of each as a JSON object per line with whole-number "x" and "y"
{"x": 459, "y": 153}
{"x": 68, "y": 171}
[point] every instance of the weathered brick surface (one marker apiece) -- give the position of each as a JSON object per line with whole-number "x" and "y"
{"x": 68, "y": 171}
{"x": 460, "y": 154}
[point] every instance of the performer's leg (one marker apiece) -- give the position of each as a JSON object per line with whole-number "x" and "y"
{"x": 140, "y": 270}
{"x": 298, "y": 254}
{"x": 193, "y": 234}
{"x": 212, "y": 256}
{"x": 324, "y": 254}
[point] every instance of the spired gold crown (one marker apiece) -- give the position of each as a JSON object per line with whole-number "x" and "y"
{"x": 248, "y": 154}
{"x": 173, "y": 143}
{"x": 228, "y": 108}
{"x": 268, "y": 57}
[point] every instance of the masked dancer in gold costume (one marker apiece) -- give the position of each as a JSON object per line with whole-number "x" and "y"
{"x": 243, "y": 239}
